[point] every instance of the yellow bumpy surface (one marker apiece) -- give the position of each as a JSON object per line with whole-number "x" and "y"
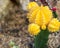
{"x": 43, "y": 16}
{"x": 33, "y": 29}
{"x": 32, "y": 15}
{"x": 54, "y": 25}
{"x": 31, "y": 5}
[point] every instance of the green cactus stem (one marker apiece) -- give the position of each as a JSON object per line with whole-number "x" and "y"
{"x": 41, "y": 39}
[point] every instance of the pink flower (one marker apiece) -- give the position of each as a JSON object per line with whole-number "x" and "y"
{"x": 53, "y": 9}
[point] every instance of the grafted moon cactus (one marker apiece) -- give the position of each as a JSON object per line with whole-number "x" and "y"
{"x": 41, "y": 17}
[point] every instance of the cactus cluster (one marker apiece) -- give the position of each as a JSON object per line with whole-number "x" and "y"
{"x": 43, "y": 17}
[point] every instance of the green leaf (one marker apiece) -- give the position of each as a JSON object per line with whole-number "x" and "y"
{"x": 41, "y": 39}
{"x": 55, "y": 14}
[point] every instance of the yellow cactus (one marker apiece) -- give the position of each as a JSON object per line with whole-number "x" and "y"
{"x": 33, "y": 29}
{"x": 43, "y": 27}
{"x": 47, "y": 13}
{"x": 43, "y": 17}
{"x": 33, "y": 15}
{"x": 33, "y": 12}
{"x": 54, "y": 25}
{"x": 59, "y": 22}
{"x": 39, "y": 16}
{"x": 31, "y": 5}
